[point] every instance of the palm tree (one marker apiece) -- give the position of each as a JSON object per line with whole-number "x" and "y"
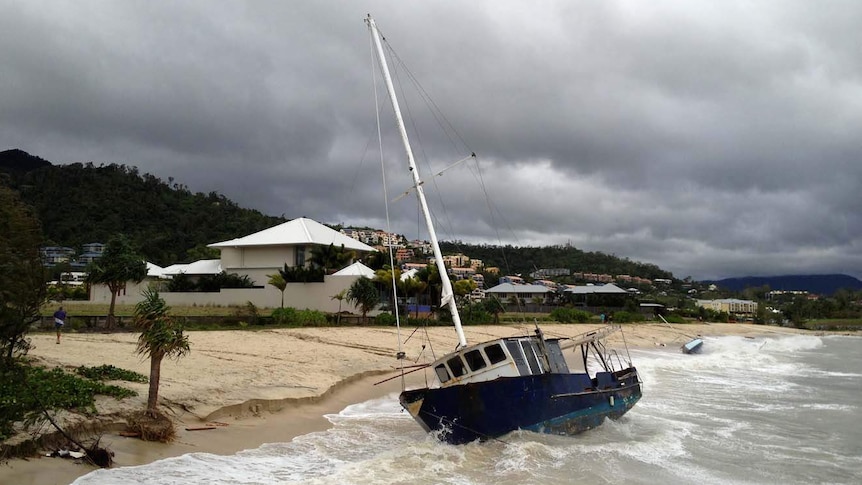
{"x": 340, "y": 296}
{"x": 413, "y": 287}
{"x": 364, "y": 294}
{"x": 160, "y": 337}
{"x": 331, "y": 258}
{"x": 277, "y": 281}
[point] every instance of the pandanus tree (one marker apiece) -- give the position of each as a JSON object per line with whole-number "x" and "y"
{"x": 363, "y": 294}
{"x": 161, "y": 336}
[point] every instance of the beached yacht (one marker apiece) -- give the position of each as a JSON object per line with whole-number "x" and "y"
{"x": 484, "y": 391}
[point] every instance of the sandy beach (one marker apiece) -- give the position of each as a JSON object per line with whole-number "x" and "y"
{"x": 264, "y": 386}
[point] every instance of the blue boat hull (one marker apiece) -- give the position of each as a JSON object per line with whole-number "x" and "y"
{"x": 563, "y": 404}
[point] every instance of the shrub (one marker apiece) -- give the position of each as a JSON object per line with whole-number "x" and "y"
{"x": 249, "y": 312}
{"x": 299, "y": 318}
{"x": 674, "y": 318}
{"x": 311, "y": 318}
{"x": 385, "y": 319}
{"x": 110, "y": 373}
{"x": 627, "y": 317}
{"x": 570, "y": 315}
{"x": 476, "y": 317}
{"x": 283, "y": 316}
{"x": 24, "y": 388}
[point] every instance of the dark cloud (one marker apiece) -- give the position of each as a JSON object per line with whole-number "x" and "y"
{"x": 712, "y": 139}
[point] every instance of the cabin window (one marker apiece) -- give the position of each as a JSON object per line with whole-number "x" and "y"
{"x": 442, "y": 373}
{"x": 456, "y": 365}
{"x": 475, "y": 360}
{"x": 495, "y": 353}
{"x": 532, "y": 360}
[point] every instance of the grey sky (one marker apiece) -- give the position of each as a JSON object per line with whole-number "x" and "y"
{"x": 713, "y": 139}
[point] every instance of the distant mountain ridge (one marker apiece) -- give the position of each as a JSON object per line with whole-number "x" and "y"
{"x": 826, "y": 284}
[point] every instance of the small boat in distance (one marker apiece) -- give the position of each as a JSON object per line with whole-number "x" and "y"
{"x": 693, "y": 346}
{"x": 486, "y": 390}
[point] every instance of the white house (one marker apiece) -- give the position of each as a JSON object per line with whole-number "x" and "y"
{"x": 257, "y": 256}
{"x": 262, "y": 253}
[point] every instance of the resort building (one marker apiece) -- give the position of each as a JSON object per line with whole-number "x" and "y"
{"x": 731, "y": 306}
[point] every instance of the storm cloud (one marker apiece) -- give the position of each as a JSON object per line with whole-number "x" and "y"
{"x": 712, "y": 139}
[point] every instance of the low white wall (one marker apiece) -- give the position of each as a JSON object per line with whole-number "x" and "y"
{"x": 313, "y": 296}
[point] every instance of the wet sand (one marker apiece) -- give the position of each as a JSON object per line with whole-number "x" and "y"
{"x": 268, "y": 386}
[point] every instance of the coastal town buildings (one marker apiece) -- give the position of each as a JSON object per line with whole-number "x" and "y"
{"x": 258, "y": 256}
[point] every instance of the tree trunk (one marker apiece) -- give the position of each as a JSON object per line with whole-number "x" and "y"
{"x": 109, "y": 322}
{"x": 155, "y": 374}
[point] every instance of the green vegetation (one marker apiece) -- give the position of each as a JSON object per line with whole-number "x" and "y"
{"x": 291, "y": 317}
{"x": 110, "y": 373}
{"x": 363, "y": 294}
{"x": 119, "y": 264}
{"x": 524, "y": 260}
{"x": 570, "y": 315}
{"x": 278, "y": 282}
{"x": 22, "y": 288}
{"x": 208, "y": 283}
{"x": 165, "y": 220}
{"x": 26, "y": 389}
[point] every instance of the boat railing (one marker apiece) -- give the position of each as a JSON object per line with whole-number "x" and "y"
{"x": 591, "y": 336}
{"x": 612, "y": 353}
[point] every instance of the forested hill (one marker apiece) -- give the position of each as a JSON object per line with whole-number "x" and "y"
{"x": 819, "y": 284}
{"x": 525, "y": 260}
{"x": 84, "y": 203}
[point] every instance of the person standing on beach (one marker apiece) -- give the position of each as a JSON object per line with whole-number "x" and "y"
{"x": 59, "y": 321}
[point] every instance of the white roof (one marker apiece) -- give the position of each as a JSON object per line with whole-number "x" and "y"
{"x": 204, "y": 266}
{"x": 154, "y": 270}
{"x": 356, "y": 269}
{"x": 299, "y": 231}
{"x": 410, "y": 273}
{"x": 591, "y": 289}
{"x": 510, "y": 288}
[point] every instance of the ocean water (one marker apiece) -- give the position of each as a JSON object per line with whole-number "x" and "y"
{"x": 744, "y": 411}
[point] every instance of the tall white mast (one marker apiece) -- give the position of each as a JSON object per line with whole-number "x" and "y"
{"x": 448, "y": 294}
